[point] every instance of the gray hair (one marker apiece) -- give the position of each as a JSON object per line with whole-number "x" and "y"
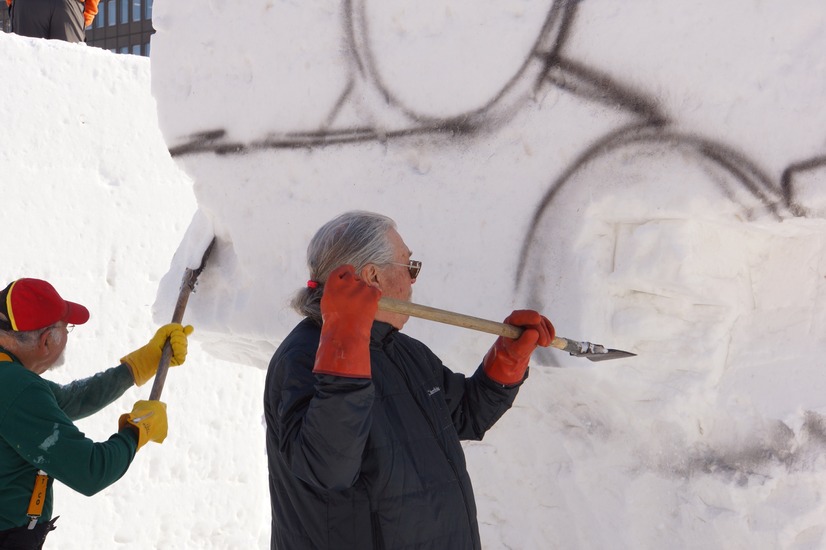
{"x": 357, "y": 238}
{"x": 23, "y": 339}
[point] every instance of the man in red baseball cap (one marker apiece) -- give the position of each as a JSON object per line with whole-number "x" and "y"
{"x": 31, "y": 304}
{"x": 38, "y": 440}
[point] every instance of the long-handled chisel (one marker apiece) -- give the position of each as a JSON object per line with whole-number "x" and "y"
{"x": 593, "y": 352}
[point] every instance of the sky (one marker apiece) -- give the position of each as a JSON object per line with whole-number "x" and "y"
{"x": 650, "y": 177}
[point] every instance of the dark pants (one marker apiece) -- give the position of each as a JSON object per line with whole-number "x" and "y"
{"x": 22, "y": 538}
{"x": 57, "y": 19}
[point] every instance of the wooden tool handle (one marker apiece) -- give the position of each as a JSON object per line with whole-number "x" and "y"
{"x": 458, "y": 319}
{"x": 166, "y": 354}
{"x": 187, "y": 288}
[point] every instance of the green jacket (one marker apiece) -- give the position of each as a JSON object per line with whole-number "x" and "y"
{"x": 36, "y": 432}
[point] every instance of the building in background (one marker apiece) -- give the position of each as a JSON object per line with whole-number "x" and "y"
{"x": 121, "y": 26}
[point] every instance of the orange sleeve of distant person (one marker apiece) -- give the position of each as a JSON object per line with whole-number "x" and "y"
{"x": 90, "y": 12}
{"x": 8, "y": 2}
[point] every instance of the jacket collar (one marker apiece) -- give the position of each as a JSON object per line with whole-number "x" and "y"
{"x": 382, "y": 333}
{"x": 7, "y": 356}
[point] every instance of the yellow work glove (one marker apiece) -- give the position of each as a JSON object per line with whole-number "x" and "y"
{"x": 144, "y": 362}
{"x": 148, "y": 420}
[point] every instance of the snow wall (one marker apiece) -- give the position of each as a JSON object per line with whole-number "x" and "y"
{"x": 94, "y": 203}
{"x": 650, "y": 175}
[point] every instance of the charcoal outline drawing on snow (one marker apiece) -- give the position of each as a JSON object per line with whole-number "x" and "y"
{"x": 547, "y": 64}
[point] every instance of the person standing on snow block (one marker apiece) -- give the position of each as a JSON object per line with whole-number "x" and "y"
{"x": 364, "y": 423}
{"x": 56, "y": 19}
{"x": 38, "y": 441}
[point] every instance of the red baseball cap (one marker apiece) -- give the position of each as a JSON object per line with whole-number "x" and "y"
{"x": 32, "y": 304}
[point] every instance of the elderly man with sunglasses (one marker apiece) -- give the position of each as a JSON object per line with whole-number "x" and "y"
{"x": 38, "y": 440}
{"x": 363, "y": 422}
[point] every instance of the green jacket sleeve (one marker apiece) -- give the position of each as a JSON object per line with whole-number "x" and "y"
{"x": 44, "y": 436}
{"x": 85, "y": 397}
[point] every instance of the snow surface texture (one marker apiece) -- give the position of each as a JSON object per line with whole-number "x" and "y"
{"x": 650, "y": 177}
{"x": 418, "y": 114}
{"x": 94, "y": 203}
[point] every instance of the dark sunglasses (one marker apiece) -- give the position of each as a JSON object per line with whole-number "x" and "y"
{"x": 413, "y": 267}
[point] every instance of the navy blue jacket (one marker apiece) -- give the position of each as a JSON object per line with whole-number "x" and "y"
{"x": 374, "y": 464}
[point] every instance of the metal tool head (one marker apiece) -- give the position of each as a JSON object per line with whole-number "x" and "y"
{"x": 191, "y": 274}
{"x": 596, "y": 352}
{"x": 605, "y": 355}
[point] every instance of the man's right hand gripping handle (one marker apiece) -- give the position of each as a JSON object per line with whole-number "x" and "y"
{"x": 348, "y": 307}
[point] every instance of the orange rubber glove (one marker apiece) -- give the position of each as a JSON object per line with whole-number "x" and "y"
{"x": 90, "y": 10}
{"x": 143, "y": 362}
{"x": 507, "y": 360}
{"x": 148, "y": 420}
{"x": 348, "y": 307}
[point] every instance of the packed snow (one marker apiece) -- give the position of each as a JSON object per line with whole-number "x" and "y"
{"x": 95, "y": 205}
{"x": 651, "y": 177}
